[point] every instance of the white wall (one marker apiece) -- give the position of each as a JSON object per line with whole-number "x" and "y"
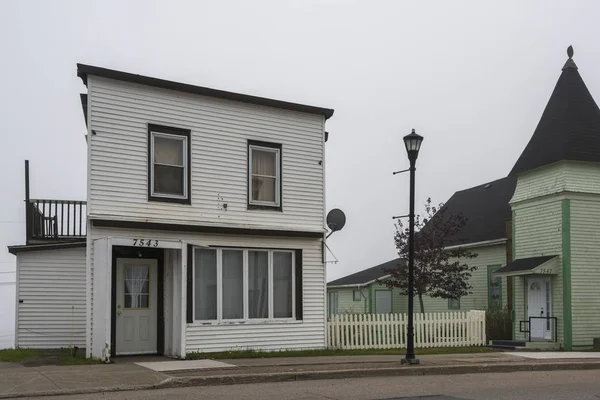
{"x": 51, "y": 284}
{"x": 308, "y": 333}
{"x": 119, "y": 113}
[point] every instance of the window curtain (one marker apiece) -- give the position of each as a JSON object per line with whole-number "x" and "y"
{"x": 264, "y": 175}
{"x": 282, "y": 284}
{"x": 258, "y": 284}
{"x": 205, "y": 284}
{"x": 233, "y": 284}
{"x": 136, "y": 286}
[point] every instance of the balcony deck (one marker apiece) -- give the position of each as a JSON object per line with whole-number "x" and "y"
{"x": 55, "y": 221}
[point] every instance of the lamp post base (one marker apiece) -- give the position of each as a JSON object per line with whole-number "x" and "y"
{"x": 410, "y": 361}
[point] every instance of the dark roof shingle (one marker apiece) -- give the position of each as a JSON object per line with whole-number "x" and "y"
{"x": 486, "y": 209}
{"x": 524, "y": 264}
{"x": 367, "y": 275}
{"x": 569, "y": 128}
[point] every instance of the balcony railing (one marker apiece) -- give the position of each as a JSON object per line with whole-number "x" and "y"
{"x": 55, "y": 220}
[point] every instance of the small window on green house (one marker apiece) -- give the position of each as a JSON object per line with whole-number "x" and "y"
{"x": 356, "y": 295}
{"x": 453, "y": 304}
{"x": 494, "y": 288}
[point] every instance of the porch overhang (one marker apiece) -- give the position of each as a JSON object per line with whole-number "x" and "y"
{"x": 544, "y": 265}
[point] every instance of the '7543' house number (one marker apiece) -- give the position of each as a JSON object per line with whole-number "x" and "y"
{"x": 145, "y": 242}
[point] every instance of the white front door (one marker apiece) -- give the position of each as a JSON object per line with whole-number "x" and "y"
{"x": 136, "y": 320}
{"x": 383, "y": 302}
{"x": 538, "y": 305}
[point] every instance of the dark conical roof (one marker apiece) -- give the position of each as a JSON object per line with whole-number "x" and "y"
{"x": 570, "y": 125}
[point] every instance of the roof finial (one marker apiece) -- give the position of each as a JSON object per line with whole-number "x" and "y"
{"x": 570, "y": 63}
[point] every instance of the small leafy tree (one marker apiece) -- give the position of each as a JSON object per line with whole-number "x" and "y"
{"x": 438, "y": 272}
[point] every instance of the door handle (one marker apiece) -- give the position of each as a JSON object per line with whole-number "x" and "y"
{"x": 119, "y": 313}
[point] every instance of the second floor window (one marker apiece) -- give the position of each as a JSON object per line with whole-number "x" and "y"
{"x": 169, "y": 161}
{"x": 264, "y": 174}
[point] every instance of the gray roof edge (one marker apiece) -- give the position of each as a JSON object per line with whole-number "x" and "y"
{"x": 45, "y": 246}
{"x": 83, "y": 70}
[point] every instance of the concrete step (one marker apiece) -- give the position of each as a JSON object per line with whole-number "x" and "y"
{"x": 513, "y": 343}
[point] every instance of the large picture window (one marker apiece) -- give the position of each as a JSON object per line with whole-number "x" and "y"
{"x": 264, "y": 175}
{"x": 168, "y": 164}
{"x": 244, "y": 284}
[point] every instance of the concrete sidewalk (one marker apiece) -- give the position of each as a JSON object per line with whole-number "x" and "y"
{"x": 19, "y": 381}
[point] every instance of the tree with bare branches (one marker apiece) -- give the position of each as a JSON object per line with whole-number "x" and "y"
{"x": 440, "y": 271}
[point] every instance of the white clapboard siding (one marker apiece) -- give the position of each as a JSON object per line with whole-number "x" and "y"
{"x": 119, "y": 113}
{"x": 308, "y": 333}
{"x": 51, "y": 290}
{"x": 385, "y": 331}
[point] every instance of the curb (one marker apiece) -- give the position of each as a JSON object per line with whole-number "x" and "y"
{"x": 175, "y": 382}
{"x": 373, "y": 372}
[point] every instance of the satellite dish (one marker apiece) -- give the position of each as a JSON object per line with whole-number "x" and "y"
{"x": 336, "y": 219}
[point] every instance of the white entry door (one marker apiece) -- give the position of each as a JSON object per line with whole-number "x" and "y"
{"x": 538, "y": 305}
{"x": 136, "y": 321}
{"x": 383, "y": 302}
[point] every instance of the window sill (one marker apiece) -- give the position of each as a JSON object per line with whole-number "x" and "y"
{"x": 264, "y": 207}
{"x": 177, "y": 200}
{"x": 234, "y": 323}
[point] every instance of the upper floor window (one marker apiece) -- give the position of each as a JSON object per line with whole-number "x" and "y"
{"x": 264, "y": 175}
{"x": 168, "y": 164}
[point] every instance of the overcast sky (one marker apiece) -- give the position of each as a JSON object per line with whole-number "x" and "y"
{"x": 472, "y": 77}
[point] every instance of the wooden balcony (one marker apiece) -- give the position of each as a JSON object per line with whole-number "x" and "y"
{"x": 55, "y": 220}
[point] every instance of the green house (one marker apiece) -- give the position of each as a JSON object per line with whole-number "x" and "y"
{"x": 536, "y": 232}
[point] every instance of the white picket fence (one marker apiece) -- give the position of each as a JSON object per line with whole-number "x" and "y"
{"x": 384, "y": 331}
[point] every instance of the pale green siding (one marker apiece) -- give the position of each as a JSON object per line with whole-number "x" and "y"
{"x": 585, "y": 270}
{"x": 486, "y": 256}
{"x": 538, "y": 232}
{"x": 540, "y": 182}
{"x": 346, "y": 303}
{"x": 478, "y": 300}
{"x": 563, "y": 176}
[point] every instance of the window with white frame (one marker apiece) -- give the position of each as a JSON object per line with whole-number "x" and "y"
{"x": 264, "y": 174}
{"x": 243, "y": 284}
{"x": 168, "y": 164}
{"x": 356, "y": 296}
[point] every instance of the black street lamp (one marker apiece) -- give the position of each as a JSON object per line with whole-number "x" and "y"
{"x": 413, "y": 144}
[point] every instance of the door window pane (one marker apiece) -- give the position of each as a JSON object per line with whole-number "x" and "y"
{"x": 136, "y": 286}
{"x": 258, "y": 284}
{"x": 282, "y": 284}
{"x": 233, "y": 284}
{"x": 205, "y": 284}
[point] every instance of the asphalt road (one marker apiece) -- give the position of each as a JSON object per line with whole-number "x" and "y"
{"x": 580, "y": 385}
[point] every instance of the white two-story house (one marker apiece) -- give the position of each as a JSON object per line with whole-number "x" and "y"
{"x": 203, "y": 228}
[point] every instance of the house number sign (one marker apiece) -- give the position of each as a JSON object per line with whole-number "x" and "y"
{"x": 545, "y": 271}
{"x": 145, "y": 242}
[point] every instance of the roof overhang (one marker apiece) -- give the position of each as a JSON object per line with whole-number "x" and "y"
{"x": 84, "y": 70}
{"x": 357, "y": 285}
{"x": 46, "y": 246}
{"x": 492, "y": 242}
{"x": 545, "y": 265}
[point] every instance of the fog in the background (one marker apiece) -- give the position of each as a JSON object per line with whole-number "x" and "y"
{"x": 471, "y": 76}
